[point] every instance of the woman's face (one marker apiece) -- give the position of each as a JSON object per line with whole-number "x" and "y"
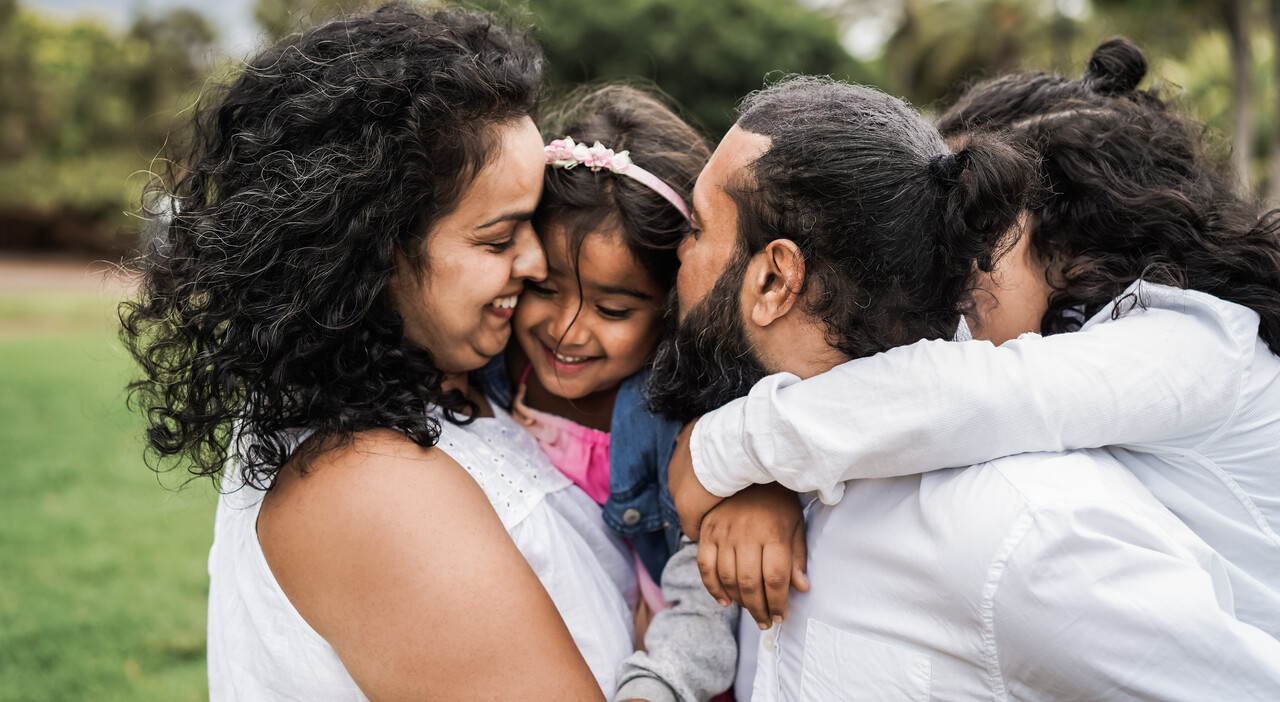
{"x": 584, "y": 342}
{"x": 477, "y": 258}
{"x": 1013, "y": 298}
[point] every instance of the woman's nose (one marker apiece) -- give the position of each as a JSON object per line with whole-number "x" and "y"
{"x": 530, "y": 262}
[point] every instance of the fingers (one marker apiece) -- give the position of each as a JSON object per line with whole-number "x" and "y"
{"x": 799, "y": 560}
{"x": 777, "y": 566}
{"x": 707, "y": 569}
{"x": 751, "y": 585}
{"x": 727, "y": 569}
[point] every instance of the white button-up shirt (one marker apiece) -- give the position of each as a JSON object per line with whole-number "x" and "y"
{"x": 1183, "y": 392}
{"x": 1035, "y": 577}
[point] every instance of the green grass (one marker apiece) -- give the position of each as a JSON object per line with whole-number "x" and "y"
{"x": 102, "y": 569}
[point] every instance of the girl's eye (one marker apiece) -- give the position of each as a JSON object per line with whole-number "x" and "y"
{"x": 501, "y": 246}
{"x": 612, "y": 313}
{"x": 538, "y": 289}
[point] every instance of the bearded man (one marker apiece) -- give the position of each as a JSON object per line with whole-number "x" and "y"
{"x": 833, "y": 223}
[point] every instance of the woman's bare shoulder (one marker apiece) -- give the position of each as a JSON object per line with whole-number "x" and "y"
{"x": 394, "y": 555}
{"x": 379, "y": 480}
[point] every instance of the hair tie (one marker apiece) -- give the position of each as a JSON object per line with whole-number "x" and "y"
{"x": 945, "y": 167}
{"x": 565, "y": 153}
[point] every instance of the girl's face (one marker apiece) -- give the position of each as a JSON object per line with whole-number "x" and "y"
{"x": 583, "y": 342}
{"x": 477, "y": 258}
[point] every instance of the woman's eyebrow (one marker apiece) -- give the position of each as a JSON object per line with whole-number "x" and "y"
{"x": 509, "y": 217}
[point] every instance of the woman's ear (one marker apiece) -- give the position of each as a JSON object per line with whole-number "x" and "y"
{"x": 774, "y": 281}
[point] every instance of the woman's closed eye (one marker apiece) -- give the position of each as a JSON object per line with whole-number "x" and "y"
{"x": 501, "y": 246}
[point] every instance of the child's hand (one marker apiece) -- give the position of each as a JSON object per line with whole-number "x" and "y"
{"x": 752, "y": 548}
{"x": 693, "y": 501}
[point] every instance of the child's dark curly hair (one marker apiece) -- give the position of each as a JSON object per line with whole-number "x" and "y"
{"x": 1132, "y": 191}
{"x": 332, "y": 154}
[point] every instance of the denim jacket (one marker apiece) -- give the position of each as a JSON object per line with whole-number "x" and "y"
{"x": 640, "y": 506}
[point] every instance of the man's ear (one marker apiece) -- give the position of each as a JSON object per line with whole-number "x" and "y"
{"x": 774, "y": 280}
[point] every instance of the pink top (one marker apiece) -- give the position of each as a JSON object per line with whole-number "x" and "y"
{"x": 582, "y": 455}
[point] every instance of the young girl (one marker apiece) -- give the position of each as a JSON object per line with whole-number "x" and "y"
{"x": 1170, "y": 286}
{"x": 613, "y": 211}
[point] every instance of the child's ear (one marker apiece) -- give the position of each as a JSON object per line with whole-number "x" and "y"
{"x": 773, "y": 282}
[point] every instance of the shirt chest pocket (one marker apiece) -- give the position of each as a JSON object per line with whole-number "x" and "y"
{"x": 841, "y": 667}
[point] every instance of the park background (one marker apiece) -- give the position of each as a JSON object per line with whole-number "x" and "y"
{"x": 102, "y": 561}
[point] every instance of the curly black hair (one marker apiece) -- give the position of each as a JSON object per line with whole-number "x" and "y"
{"x": 329, "y": 157}
{"x": 1133, "y": 191}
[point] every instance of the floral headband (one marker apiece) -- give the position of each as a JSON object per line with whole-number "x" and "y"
{"x": 565, "y": 153}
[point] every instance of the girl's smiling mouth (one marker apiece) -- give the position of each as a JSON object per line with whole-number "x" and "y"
{"x": 565, "y": 364}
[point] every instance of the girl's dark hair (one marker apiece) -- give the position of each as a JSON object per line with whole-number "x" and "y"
{"x": 888, "y": 220}
{"x": 1133, "y": 192}
{"x": 624, "y": 118}
{"x": 329, "y": 157}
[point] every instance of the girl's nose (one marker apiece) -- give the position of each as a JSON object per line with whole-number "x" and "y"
{"x": 567, "y": 325}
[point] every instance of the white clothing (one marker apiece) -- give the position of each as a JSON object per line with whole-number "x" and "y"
{"x": 1183, "y": 392}
{"x": 260, "y": 647}
{"x": 1034, "y": 577}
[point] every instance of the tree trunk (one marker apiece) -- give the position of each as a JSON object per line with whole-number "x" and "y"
{"x": 1242, "y": 88}
{"x": 1273, "y": 199}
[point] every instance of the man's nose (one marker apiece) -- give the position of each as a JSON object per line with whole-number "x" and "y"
{"x": 685, "y": 245}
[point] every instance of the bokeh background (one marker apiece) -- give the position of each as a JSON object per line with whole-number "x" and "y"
{"x": 102, "y": 579}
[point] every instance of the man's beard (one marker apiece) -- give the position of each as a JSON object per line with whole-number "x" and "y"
{"x": 706, "y": 361}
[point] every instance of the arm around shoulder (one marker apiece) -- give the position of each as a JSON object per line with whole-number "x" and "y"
{"x": 393, "y": 554}
{"x": 1166, "y": 375}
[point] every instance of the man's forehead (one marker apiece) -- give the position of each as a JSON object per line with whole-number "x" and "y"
{"x": 728, "y": 163}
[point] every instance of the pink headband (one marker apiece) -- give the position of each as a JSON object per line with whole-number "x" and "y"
{"x": 564, "y": 153}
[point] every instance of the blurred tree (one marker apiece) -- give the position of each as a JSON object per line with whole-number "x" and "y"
{"x": 705, "y": 54}
{"x": 1176, "y": 22}
{"x": 17, "y": 88}
{"x": 938, "y": 47}
{"x": 279, "y": 18}
{"x": 173, "y": 52}
{"x": 1274, "y": 185}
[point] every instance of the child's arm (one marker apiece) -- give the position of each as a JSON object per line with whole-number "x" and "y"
{"x": 692, "y": 648}
{"x": 1168, "y": 375}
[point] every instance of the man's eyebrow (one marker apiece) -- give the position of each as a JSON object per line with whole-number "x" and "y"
{"x": 622, "y": 290}
{"x": 509, "y": 217}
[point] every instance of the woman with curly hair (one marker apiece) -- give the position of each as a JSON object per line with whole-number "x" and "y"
{"x": 1169, "y": 284}
{"x": 349, "y": 234}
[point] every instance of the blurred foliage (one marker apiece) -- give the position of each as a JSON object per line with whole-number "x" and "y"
{"x": 83, "y": 106}
{"x": 705, "y": 54}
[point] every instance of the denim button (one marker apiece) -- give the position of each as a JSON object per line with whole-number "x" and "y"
{"x": 631, "y": 517}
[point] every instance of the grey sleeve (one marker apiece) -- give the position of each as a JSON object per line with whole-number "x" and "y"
{"x": 692, "y": 647}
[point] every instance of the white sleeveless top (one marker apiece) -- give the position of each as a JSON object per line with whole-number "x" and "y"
{"x": 260, "y": 648}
